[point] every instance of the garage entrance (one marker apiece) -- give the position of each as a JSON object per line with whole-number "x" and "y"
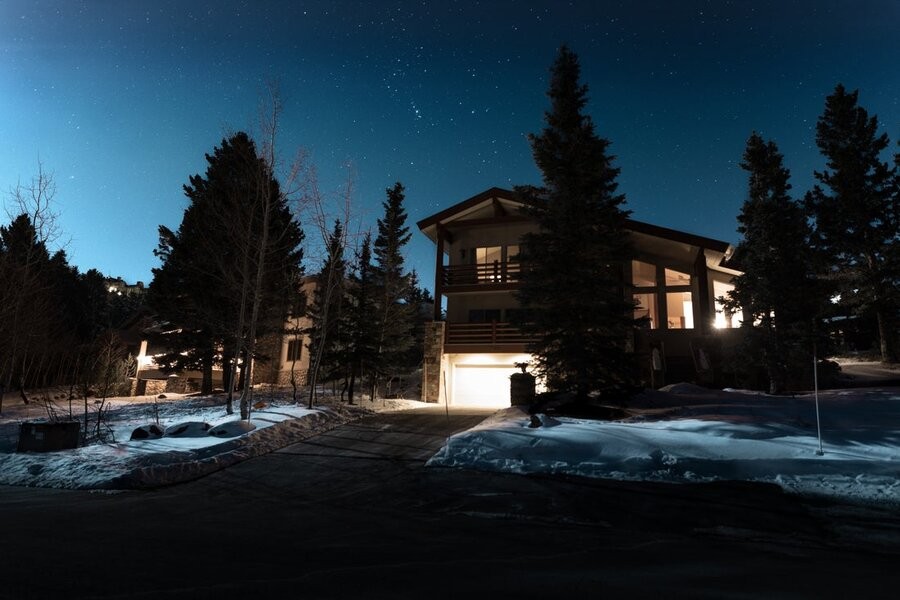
{"x": 481, "y": 385}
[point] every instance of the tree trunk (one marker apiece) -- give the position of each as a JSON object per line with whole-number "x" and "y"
{"x": 206, "y": 385}
{"x": 886, "y": 341}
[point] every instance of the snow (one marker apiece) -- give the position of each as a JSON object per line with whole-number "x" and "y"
{"x": 683, "y": 433}
{"x": 200, "y": 438}
{"x": 688, "y": 434}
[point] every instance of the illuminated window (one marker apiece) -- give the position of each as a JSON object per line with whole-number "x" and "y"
{"x": 488, "y": 261}
{"x": 647, "y": 308}
{"x": 724, "y": 319}
{"x": 643, "y": 274}
{"x": 680, "y": 310}
{"x": 674, "y": 278}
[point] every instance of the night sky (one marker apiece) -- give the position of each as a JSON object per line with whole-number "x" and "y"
{"x": 121, "y": 100}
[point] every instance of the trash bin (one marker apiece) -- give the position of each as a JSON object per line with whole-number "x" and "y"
{"x": 48, "y": 437}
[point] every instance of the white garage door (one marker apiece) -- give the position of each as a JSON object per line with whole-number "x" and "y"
{"x": 479, "y": 385}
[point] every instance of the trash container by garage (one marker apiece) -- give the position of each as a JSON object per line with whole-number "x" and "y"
{"x": 48, "y": 437}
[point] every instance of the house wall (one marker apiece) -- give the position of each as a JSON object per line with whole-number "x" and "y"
{"x": 464, "y": 240}
{"x": 459, "y": 305}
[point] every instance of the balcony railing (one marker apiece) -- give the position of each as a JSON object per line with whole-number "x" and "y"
{"x": 484, "y": 334}
{"x": 482, "y": 274}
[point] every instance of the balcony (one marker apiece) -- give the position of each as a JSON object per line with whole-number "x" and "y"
{"x": 484, "y": 337}
{"x": 495, "y": 273}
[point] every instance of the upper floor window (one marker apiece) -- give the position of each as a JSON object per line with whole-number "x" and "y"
{"x": 675, "y": 278}
{"x": 643, "y": 274}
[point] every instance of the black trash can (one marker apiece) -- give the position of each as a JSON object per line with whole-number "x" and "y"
{"x": 48, "y": 437}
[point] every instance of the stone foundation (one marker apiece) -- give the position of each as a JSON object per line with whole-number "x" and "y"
{"x": 431, "y": 366}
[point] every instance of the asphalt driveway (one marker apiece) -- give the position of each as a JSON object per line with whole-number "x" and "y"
{"x": 353, "y": 513}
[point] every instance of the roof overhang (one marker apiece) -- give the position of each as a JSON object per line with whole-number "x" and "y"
{"x": 498, "y": 205}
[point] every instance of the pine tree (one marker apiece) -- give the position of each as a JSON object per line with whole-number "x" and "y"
{"x": 856, "y": 213}
{"x": 572, "y": 292}
{"x": 362, "y": 330}
{"x": 776, "y": 292}
{"x": 227, "y": 272}
{"x": 394, "y": 319}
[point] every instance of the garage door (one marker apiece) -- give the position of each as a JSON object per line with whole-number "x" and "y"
{"x": 479, "y": 385}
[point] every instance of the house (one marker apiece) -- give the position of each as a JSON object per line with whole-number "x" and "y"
{"x": 139, "y": 335}
{"x": 288, "y": 351}
{"x": 676, "y": 278}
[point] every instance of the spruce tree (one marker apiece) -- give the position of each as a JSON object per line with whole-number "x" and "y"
{"x": 361, "y": 326}
{"x": 227, "y": 272}
{"x": 776, "y": 292}
{"x": 855, "y": 210}
{"x": 394, "y": 318}
{"x": 571, "y": 289}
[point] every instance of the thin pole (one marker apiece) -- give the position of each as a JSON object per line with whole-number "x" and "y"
{"x": 446, "y": 396}
{"x": 820, "y": 451}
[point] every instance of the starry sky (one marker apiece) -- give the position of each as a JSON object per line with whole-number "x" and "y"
{"x": 120, "y": 100}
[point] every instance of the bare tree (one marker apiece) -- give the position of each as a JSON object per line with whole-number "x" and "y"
{"x": 329, "y": 283}
{"x": 23, "y": 303}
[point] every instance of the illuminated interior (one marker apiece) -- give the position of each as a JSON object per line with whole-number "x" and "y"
{"x": 724, "y": 320}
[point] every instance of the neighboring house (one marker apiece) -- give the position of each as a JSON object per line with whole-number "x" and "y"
{"x": 283, "y": 352}
{"x": 289, "y": 350}
{"x": 677, "y": 278}
{"x": 147, "y": 378}
{"x": 118, "y": 286}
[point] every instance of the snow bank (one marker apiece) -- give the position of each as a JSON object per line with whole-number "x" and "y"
{"x": 189, "y": 454}
{"x": 693, "y": 434}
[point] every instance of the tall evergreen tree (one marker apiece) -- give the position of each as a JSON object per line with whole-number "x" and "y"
{"x": 776, "y": 292}
{"x": 575, "y": 306}
{"x": 361, "y": 326}
{"x": 394, "y": 318}
{"x": 856, "y": 214}
{"x": 227, "y": 272}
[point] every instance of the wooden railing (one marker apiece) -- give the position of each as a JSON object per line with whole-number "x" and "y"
{"x": 482, "y": 274}
{"x": 487, "y": 334}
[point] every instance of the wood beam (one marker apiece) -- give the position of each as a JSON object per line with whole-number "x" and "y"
{"x": 439, "y": 272}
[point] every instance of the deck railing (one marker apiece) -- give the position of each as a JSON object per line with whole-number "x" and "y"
{"x": 482, "y": 274}
{"x": 487, "y": 334}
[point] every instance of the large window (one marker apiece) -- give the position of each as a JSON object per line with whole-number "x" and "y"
{"x": 646, "y": 308}
{"x": 657, "y": 286}
{"x": 489, "y": 263}
{"x": 679, "y": 310}
{"x": 643, "y": 274}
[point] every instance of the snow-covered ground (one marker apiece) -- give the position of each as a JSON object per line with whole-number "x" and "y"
{"x": 682, "y": 434}
{"x": 176, "y": 456}
{"x": 689, "y": 434}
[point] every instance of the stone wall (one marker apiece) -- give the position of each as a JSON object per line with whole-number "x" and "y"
{"x": 431, "y": 367}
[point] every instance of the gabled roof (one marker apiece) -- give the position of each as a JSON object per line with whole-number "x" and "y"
{"x": 466, "y": 206}
{"x": 428, "y": 225}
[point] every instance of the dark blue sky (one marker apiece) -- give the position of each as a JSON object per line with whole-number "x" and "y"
{"x": 120, "y": 100}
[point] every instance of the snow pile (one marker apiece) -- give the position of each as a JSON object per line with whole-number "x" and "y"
{"x": 199, "y": 439}
{"x": 692, "y": 434}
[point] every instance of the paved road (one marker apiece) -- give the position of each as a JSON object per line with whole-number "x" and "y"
{"x": 353, "y": 513}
